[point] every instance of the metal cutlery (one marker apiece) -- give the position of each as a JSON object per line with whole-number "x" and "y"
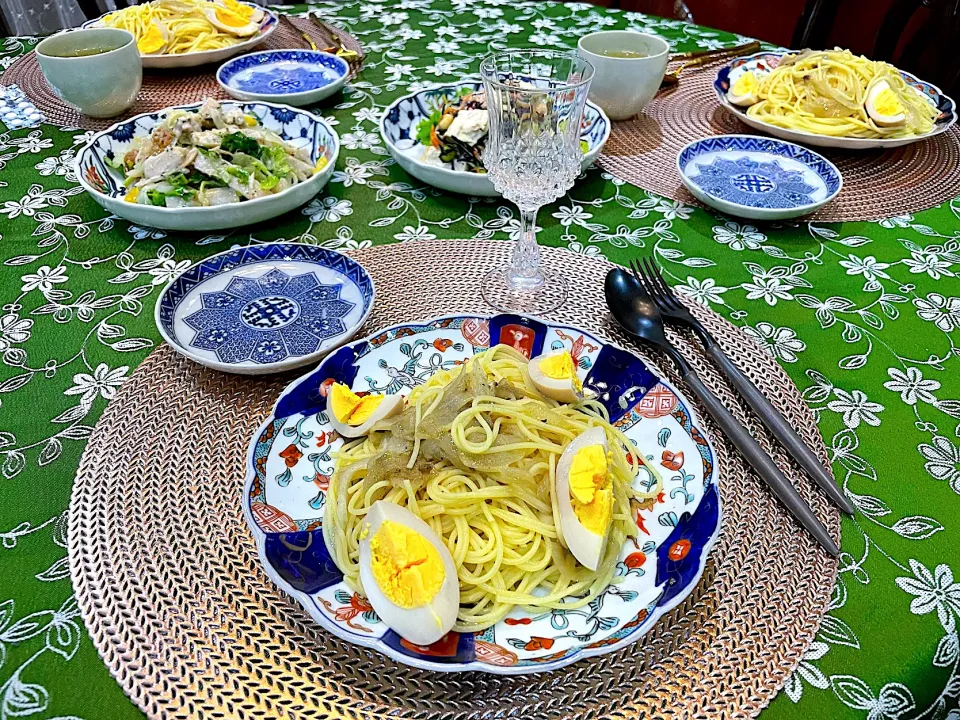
{"x": 673, "y": 310}
{"x": 639, "y": 316}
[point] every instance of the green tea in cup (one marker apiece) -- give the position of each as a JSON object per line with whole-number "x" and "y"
{"x": 623, "y": 54}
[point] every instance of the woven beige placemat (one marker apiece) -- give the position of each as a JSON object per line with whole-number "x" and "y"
{"x": 876, "y": 183}
{"x": 163, "y": 88}
{"x": 170, "y": 587}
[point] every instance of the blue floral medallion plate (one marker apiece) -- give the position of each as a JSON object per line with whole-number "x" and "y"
{"x": 290, "y": 461}
{"x": 265, "y": 308}
{"x": 765, "y": 62}
{"x": 294, "y": 77}
{"x": 758, "y": 178}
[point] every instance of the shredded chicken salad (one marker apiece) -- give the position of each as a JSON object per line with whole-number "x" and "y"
{"x": 212, "y": 156}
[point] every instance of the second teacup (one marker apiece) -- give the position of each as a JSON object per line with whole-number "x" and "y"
{"x": 96, "y": 70}
{"x": 629, "y": 69}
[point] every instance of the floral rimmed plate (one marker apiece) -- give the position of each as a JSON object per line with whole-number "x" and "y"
{"x": 398, "y": 127}
{"x": 265, "y": 308}
{"x": 758, "y": 177}
{"x": 765, "y": 62}
{"x": 289, "y": 464}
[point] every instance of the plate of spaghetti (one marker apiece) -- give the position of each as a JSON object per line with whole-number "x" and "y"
{"x": 497, "y": 494}
{"x": 187, "y": 33}
{"x": 833, "y": 98}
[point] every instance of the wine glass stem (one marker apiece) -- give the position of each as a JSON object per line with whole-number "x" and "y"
{"x": 524, "y": 273}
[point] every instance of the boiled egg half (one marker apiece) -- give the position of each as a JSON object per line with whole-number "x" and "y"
{"x": 585, "y": 496}
{"x": 555, "y": 375}
{"x": 154, "y": 39}
{"x": 247, "y": 12}
{"x": 231, "y": 22}
{"x": 883, "y": 105}
{"x": 408, "y": 574}
{"x": 353, "y": 415}
{"x": 744, "y": 91}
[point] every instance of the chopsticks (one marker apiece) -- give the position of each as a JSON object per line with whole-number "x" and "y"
{"x": 353, "y": 58}
{"x": 716, "y": 53}
{"x": 703, "y": 57}
{"x": 289, "y": 23}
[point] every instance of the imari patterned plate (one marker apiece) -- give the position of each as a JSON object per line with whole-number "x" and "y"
{"x": 265, "y": 308}
{"x": 290, "y": 461}
{"x": 758, "y": 178}
{"x": 765, "y": 62}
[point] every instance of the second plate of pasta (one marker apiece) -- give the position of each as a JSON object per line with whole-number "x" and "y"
{"x": 833, "y": 99}
{"x": 483, "y": 493}
{"x": 188, "y": 33}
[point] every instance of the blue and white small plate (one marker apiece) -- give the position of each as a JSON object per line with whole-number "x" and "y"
{"x": 758, "y": 178}
{"x": 265, "y": 308}
{"x": 294, "y": 77}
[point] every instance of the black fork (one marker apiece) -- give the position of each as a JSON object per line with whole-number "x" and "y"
{"x": 649, "y": 276}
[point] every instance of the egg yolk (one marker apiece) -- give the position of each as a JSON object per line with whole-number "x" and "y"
{"x": 230, "y": 18}
{"x": 237, "y": 8}
{"x": 590, "y": 489}
{"x": 349, "y": 407}
{"x": 132, "y": 195}
{"x": 886, "y": 102}
{"x": 407, "y": 567}
{"x": 560, "y": 367}
{"x": 151, "y": 41}
{"x": 745, "y": 84}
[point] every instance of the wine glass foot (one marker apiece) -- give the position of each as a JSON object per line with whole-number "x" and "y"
{"x": 541, "y": 298}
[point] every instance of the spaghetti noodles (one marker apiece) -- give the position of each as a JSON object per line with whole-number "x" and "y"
{"x": 474, "y": 454}
{"x": 826, "y": 93}
{"x": 176, "y": 27}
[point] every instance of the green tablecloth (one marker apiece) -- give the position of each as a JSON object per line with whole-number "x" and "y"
{"x": 864, "y": 317}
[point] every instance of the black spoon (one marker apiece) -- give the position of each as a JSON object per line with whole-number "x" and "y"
{"x": 637, "y": 314}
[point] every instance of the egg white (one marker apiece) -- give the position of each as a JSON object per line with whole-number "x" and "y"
{"x": 423, "y": 625}
{"x": 251, "y": 28}
{"x": 559, "y": 389}
{"x": 388, "y": 407}
{"x": 585, "y": 546}
{"x": 869, "y": 104}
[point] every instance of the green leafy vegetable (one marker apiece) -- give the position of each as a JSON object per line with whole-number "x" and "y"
{"x": 238, "y": 142}
{"x": 157, "y": 198}
{"x": 425, "y": 125}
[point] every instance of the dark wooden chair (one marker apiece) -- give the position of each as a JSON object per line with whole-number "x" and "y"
{"x": 919, "y": 36}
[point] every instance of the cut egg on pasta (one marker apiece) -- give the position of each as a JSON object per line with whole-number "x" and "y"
{"x": 883, "y": 105}
{"x": 353, "y": 415}
{"x": 408, "y": 574}
{"x": 555, "y": 375}
{"x": 744, "y": 91}
{"x": 585, "y": 496}
{"x": 246, "y": 12}
{"x": 154, "y": 39}
{"x": 231, "y": 22}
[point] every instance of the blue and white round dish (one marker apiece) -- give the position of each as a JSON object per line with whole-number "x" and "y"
{"x": 765, "y": 62}
{"x": 98, "y": 177}
{"x": 291, "y": 458}
{"x": 398, "y": 128}
{"x": 265, "y": 308}
{"x": 758, "y": 178}
{"x": 294, "y": 77}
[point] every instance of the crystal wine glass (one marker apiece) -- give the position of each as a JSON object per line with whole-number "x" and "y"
{"x": 535, "y": 100}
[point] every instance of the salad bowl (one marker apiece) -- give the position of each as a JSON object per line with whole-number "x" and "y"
{"x": 399, "y": 129}
{"x": 95, "y": 168}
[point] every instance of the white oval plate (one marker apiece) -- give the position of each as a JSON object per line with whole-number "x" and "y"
{"x": 204, "y": 57}
{"x": 764, "y": 62}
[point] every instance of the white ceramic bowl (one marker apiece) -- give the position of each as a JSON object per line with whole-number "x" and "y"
{"x": 759, "y": 178}
{"x": 623, "y": 86}
{"x": 294, "y": 77}
{"x": 101, "y": 85}
{"x": 299, "y": 127}
{"x": 204, "y": 57}
{"x": 398, "y": 128}
{"x": 764, "y": 62}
